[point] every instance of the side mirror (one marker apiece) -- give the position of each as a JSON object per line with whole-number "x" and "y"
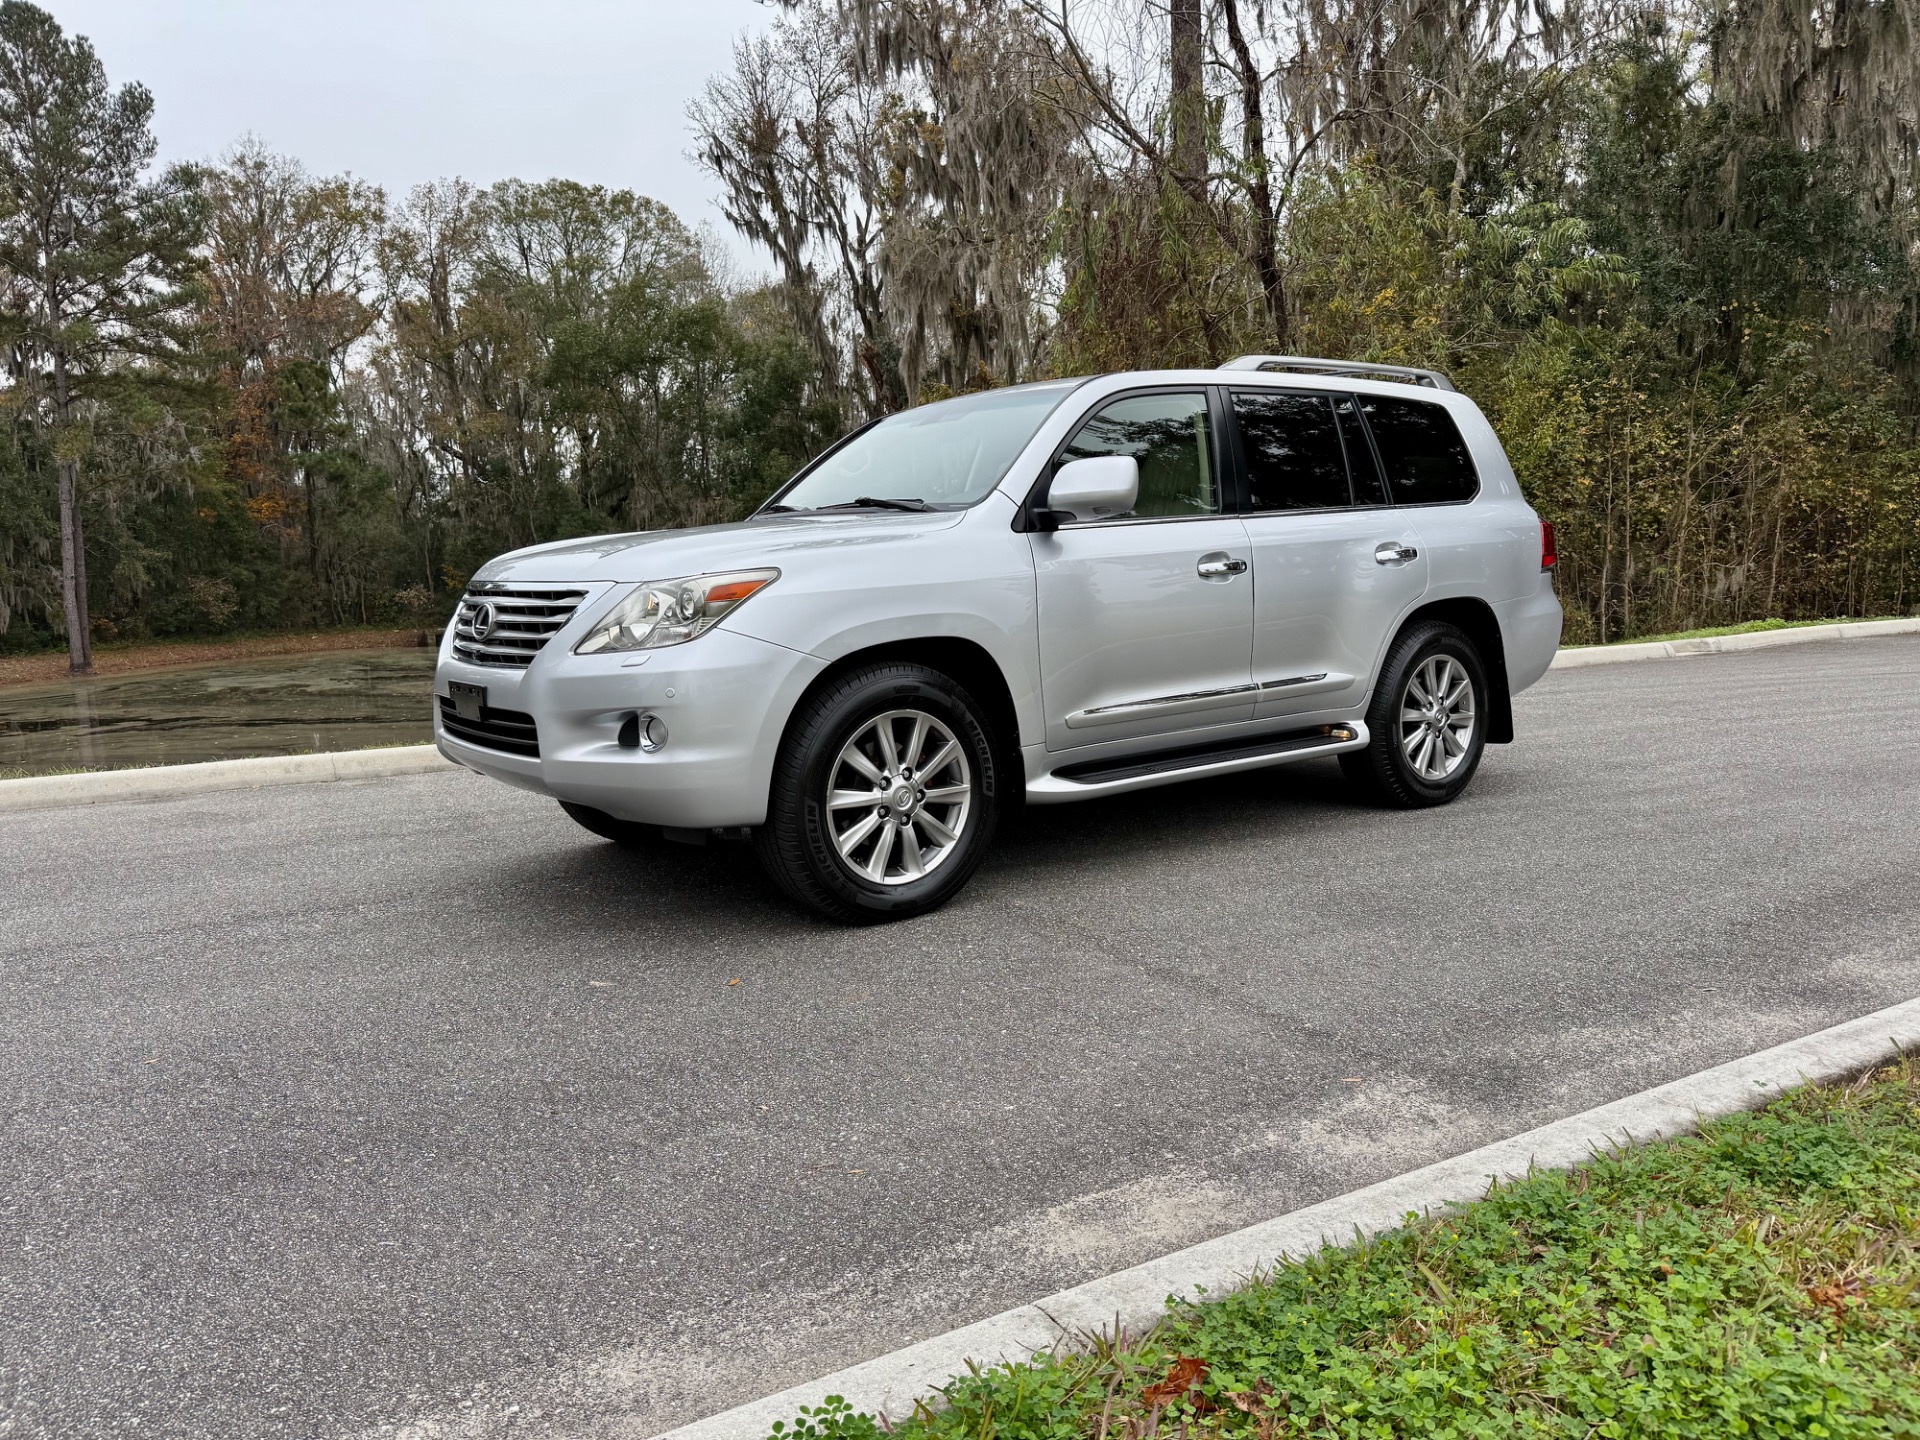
{"x": 1097, "y": 488}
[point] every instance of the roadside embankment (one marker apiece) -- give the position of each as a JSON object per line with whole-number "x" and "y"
{"x": 127, "y": 659}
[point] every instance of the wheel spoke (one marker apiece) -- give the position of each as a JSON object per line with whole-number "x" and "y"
{"x": 848, "y": 840}
{"x": 937, "y": 829}
{"x": 1418, "y": 690}
{"x": 854, "y": 799}
{"x": 883, "y": 736}
{"x": 941, "y": 759}
{"x": 911, "y": 864}
{"x": 876, "y": 866}
{"x": 1414, "y": 739}
{"x": 1451, "y": 738}
{"x": 852, "y": 756}
{"x": 1409, "y": 716}
{"x": 916, "y": 742}
{"x": 948, "y": 794}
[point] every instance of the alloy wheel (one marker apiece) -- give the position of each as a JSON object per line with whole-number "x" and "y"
{"x": 898, "y": 797}
{"x": 1437, "y": 717}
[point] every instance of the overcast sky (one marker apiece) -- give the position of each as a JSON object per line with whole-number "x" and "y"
{"x": 400, "y": 91}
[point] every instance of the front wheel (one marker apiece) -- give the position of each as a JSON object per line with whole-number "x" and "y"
{"x": 885, "y": 795}
{"x": 1427, "y": 721}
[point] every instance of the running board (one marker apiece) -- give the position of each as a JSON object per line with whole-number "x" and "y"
{"x": 1137, "y": 772}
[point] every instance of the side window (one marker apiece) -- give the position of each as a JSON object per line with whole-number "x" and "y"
{"x": 1421, "y": 450}
{"x": 1292, "y": 449}
{"x": 1169, "y": 435}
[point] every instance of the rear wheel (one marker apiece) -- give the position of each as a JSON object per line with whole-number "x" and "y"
{"x": 629, "y": 834}
{"x": 1427, "y": 721}
{"x": 885, "y": 795}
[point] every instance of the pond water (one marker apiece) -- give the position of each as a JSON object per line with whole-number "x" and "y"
{"x": 285, "y": 705}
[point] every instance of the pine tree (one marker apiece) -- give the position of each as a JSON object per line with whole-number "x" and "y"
{"x": 92, "y": 254}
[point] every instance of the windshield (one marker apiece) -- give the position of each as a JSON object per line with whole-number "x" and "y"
{"x": 944, "y": 455}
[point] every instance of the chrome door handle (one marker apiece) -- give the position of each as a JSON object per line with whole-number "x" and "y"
{"x": 1392, "y": 552}
{"x": 1213, "y": 566}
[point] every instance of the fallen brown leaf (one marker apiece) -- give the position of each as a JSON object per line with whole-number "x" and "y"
{"x": 1189, "y": 1372}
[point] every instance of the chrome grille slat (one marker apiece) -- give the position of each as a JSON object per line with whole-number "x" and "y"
{"x": 525, "y": 618}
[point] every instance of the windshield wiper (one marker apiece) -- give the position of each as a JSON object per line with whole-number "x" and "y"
{"x": 775, "y": 510}
{"x": 914, "y": 506}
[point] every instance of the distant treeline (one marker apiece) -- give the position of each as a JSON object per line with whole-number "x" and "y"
{"x": 1671, "y": 250}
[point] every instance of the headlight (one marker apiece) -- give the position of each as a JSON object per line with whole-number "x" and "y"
{"x": 671, "y": 612}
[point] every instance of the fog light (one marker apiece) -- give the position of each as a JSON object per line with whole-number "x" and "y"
{"x": 653, "y": 733}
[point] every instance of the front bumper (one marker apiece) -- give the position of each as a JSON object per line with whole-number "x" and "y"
{"x": 724, "y": 699}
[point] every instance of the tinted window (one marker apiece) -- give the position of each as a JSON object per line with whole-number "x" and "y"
{"x": 1425, "y": 459}
{"x": 1292, "y": 449}
{"x": 1169, "y": 436}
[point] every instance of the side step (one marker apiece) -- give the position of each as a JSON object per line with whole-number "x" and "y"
{"x": 1137, "y": 772}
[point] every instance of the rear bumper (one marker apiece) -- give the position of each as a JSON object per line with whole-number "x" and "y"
{"x": 1530, "y": 633}
{"x": 724, "y": 700}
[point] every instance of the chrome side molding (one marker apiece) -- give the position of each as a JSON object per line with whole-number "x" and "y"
{"x": 1159, "y": 705}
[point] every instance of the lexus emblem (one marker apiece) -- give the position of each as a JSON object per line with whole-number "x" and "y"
{"x": 482, "y": 620}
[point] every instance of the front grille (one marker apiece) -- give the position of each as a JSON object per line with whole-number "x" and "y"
{"x": 510, "y": 730}
{"x": 520, "y": 619}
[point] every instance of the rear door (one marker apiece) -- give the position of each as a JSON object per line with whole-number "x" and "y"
{"x": 1146, "y": 620}
{"x": 1334, "y": 567}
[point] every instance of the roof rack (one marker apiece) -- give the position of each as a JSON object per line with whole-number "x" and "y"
{"x": 1431, "y": 378}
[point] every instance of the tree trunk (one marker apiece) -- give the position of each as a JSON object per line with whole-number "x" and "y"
{"x": 73, "y": 540}
{"x": 1253, "y": 148}
{"x": 1187, "y": 106}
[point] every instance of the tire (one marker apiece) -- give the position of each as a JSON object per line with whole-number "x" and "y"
{"x": 628, "y": 834}
{"x": 1411, "y": 763}
{"x": 834, "y": 747}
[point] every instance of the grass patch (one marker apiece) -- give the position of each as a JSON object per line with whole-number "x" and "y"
{"x": 1761, "y": 1279}
{"x": 1750, "y": 627}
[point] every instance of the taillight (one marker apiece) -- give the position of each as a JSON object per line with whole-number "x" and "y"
{"x": 1549, "y": 555}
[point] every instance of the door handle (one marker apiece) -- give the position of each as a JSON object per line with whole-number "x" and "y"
{"x": 1392, "y": 552}
{"x": 1212, "y": 567}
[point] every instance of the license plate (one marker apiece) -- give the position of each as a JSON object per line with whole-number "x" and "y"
{"x": 468, "y": 700}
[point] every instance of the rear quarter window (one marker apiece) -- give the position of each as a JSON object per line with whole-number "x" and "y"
{"x": 1426, "y": 461}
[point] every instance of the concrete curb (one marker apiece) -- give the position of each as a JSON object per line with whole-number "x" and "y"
{"x": 1583, "y": 655}
{"x": 1136, "y": 1298}
{"x": 165, "y": 782}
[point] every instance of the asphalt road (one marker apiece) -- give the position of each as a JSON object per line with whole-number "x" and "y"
{"x": 409, "y": 1109}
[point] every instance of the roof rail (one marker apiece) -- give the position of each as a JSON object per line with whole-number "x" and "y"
{"x": 1431, "y": 378}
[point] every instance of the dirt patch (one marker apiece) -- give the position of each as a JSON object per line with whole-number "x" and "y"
{"x": 121, "y": 660}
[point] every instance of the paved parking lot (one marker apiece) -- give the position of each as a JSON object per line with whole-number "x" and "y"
{"x": 411, "y": 1109}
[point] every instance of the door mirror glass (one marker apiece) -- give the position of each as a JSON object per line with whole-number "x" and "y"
{"x": 1098, "y": 488}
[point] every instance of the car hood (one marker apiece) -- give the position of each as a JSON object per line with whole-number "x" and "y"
{"x": 772, "y": 540}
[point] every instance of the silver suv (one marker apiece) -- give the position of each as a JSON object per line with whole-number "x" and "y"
{"x": 1039, "y": 594}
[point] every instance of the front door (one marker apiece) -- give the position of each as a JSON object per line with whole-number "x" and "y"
{"x": 1146, "y": 620}
{"x": 1334, "y": 567}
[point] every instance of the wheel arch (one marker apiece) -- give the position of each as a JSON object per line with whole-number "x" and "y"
{"x": 966, "y": 661}
{"x": 1482, "y": 626}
